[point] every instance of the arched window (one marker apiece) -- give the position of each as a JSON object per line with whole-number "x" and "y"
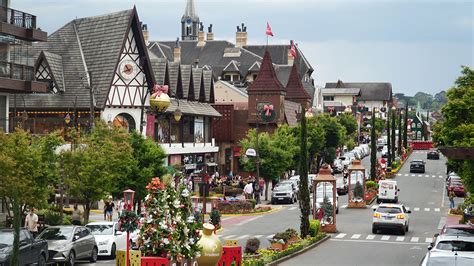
{"x": 126, "y": 121}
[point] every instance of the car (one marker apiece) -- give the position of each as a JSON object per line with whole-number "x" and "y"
{"x": 387, "y": 191}
{"x": 351, "y": 156}
{"x": 366, "y": 149}
{"x": 108, "y": 237}
{"x": 457, "y": 187}
{"x": 31, "y": 251}
{"x": 440, "y": 258}
{"x": 66, "y": 244}
{"x": 417, "y": 166}
{"x": 458, "y": 230}
{"x": 357, "y": 154}
{"x": 327, "y": 192}
{"x": 341, "y": 186}
{"x": 460, "y": 244}
{"x": 361, "y": 152}
{"x": 390, "y": 216}
{"x": 297, "y": 178}
{"x": 295, "y": 184}
{"x": 385, "y": 151}
{"x": 346, "y": 161}
{"x": 283, "y": 193}
{"x": 452, "y": 176}
{"x": 432, "y": 154}
{"x": 338, "y": 167}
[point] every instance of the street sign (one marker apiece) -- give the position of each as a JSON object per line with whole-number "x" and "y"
{"x": 251, "y": 152}
{"x": 231, "y": 243}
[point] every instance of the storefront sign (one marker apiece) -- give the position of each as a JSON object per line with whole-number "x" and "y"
{"x": 190, "y": 166}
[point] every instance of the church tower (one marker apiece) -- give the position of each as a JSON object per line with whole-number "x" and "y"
{"x": 189, "y": 22}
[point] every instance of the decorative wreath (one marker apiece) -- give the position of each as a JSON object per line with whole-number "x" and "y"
{"x": 128, "y": 221}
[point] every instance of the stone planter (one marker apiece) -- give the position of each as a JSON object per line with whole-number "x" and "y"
{"x": 356, "y": 204}
{"x": 328, "y": 228}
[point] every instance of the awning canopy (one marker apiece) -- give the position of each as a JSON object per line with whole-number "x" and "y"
{"x": 193, "y": 108}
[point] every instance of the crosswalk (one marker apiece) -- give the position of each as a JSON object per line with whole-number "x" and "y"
{"x": 418, "y": 209}
{"x": 383, "y": 238}
{"x": 422, "y": 175}
{"x": 244, "y": 237}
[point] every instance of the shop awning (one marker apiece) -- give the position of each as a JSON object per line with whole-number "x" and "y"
{"x": 193, "y": 108}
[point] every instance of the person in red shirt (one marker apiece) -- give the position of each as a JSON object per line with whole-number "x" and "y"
{"x": 261, "y": 183}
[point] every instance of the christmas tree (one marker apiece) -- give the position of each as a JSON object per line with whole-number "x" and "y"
{"x": 169, "y": 228}
{"x": 327, "y": 209}
{"x": 358, "y": 191}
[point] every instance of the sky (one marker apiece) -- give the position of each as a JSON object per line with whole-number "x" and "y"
{"x": 417, "y": 45}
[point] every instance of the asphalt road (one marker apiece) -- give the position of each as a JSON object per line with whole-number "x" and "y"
{"x": 355, "y": 244}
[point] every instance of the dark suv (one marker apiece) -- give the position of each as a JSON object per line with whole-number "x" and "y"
{"x": 433, "y": 154}
{"x": 417, "y": 166}
{"x": 32, "y": 251}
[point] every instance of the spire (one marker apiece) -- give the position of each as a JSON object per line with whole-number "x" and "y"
{"x": 190, "y": 11}
{"x": 295, "y": 91}
{"x": 266, "y": 78}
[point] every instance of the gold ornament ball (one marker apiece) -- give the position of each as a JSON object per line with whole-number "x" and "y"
{"x": 161, "y": 103}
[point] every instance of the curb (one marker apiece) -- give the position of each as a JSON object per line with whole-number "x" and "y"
{"x": 253, "y": 214}
{"x": 315, "y": 244}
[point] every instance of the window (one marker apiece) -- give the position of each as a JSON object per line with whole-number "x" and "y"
{"x": 328, "y": 98}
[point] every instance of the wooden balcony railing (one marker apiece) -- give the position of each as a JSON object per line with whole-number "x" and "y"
{"x": 17, "y": 18}
{"x": 16, "y": 71}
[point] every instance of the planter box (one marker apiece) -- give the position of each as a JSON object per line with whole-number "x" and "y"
{"x": 135, "y": 257}
{"x": 356, "y": 205}
{"x": 292, "y": 240}
{"x": 279, "y": 246}
{"x": 328, "y": 228}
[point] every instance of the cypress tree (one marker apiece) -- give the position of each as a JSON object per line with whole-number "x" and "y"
{"x": 373, "y": 148}
{"x": 394, "y": 144}
{"x": 400, "y": 130}
{"x": 405, "y": 126}
{"x": 303, "y": 169}
{"x": 389, "y": 144}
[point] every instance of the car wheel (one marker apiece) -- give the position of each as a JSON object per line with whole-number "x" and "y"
{"x": 402, "y": 232}
{"x": 374, "y": 230}
{"x": 406, "y": 229}
{"x": 112, "y": 251}
{"x": 42, "y": 260}
{"x": 378, "y": 201}
{"x": 72, "y": 258}
{"x": 337, "y": 210}
{"x": 93, "y": 257}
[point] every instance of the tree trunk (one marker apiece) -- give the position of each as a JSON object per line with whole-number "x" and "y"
{"x": 87, "y": 211}
{"x": 373, "y": 148}
{"x": 267, "y": 182}
{"x": 16, "y": 230}
{"x": 303, "y": 169}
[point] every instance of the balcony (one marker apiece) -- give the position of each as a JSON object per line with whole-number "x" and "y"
{"x": 20, "y": 24}
{"x": 16, "y": 78}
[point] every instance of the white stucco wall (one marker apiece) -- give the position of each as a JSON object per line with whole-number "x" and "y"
{"x": 110, "y": 113}
{"x": 224, "y": 94}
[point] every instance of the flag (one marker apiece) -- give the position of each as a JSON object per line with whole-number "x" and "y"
{"x": 269, "y": 30}
{"x": 293, "y": 49}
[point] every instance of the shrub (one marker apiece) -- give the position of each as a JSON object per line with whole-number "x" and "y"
{"x": 370, "y": 184}
{"x": 52, "y": 218}
{"x": 254, "y": 202}
{"x": 215, "y": 217}
{"x": 237, "y": 206}
{"x": 314, "y": 227}
{"x": 252, "y": 245}
{"x": 229, "y": 191}
{"x": 67, "y": 220}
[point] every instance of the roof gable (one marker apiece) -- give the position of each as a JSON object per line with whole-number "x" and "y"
{"x": 369, "y": 91}
{"x": 294, "y": 89}
{"x": 49, "y": 67}
{"x": 266, "y": 78}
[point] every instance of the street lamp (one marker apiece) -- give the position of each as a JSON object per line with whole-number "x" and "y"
{"x": 177, "y": 114}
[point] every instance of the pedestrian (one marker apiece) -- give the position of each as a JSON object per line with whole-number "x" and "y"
{"x": 320, "y": 214}
{"x": 31, "y": 222}
{"x": 106, "y": 204}
{"x": 261, "y": 183}
{"x": 256, "y": 189}
{"x": 248, "y": 190}
{"x": 451, "y": 199}
{"x": 109, "y": 211}
{"x": 76, "y": 215}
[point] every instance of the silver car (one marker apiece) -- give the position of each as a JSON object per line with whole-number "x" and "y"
{"x": 69, "y": 243}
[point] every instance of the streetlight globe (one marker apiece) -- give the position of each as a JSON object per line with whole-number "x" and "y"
{"x": 177, "y": 114}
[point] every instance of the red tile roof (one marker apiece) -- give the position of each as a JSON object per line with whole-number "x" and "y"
{"x": 266, "y": 78}
{"x": 294, "y": 90}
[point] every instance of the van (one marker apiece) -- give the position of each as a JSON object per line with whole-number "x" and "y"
{"x": 387, "y": 191}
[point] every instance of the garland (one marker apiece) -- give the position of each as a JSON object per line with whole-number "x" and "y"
{"x": 128, "y": 221}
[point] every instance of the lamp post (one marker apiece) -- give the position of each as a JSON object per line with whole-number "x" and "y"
{"x": 128, "y": 203}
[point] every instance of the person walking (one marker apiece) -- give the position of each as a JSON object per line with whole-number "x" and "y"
{"x": 76, "y": 215}
{"x": 31, "y": 222}
{"x": 256, "y": 189}
{"x": 248, "y": 190}
{"x": 451, "y": 199}
{"x": 109, "y": 211}
{"x": 261, "y": 184}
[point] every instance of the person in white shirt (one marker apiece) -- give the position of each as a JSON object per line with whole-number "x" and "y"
{"x": 31, "y": 222}
{"x": 248, "y": 190}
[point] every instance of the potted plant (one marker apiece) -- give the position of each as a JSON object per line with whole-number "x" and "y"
{"x": 292, "y": 236}
{"x": 279, "y": 241}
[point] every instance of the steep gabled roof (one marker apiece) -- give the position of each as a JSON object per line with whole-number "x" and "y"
{"x": 208, "y": 85}
{"x": 266, "y": 78}
{"x": 159, "y": 66}
{"x": 197, "y": 82}
{"x": 174, "y": 74}
{"x": 232, "y": 67}
{"x": 255, "y": 67}
{"x": 294, "y": 89}
{"x": 55, "y": 64}
{"x": 186, "y": 78}
{"x": 369, "y": 91}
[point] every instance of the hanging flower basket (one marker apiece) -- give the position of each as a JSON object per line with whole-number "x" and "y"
{"x": 159, "y": 100}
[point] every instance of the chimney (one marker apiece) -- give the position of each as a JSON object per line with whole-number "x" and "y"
{"x": 177, "y": 51}
{"x": 146, "y": 34}
{"x": 291, "y": 59}
{"x": 210, "y": 34}
{"x": 201, "y": 35}
{"x": 241, "y": 36}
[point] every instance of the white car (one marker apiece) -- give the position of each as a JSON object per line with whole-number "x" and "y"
{"x": 321, "y": 193}
{"x": 366, "y": 149}
{"x": 391, "y": 216}
{"x": 109, "y": 239}
{"x": 310, "y": 179}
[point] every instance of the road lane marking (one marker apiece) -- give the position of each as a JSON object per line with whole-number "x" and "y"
{"x": 414, "y": 239}
{"x": 344, "y": 206}
{"x": 441, "y": 223}
{"x": 376, "y": 241}
{"x": 437, "y": 209}
{"x": 341, "y": 235}
{"x": 406, "y": 174}
{"x": 420, "y": 175}
{"x": 427, "y": 209}
{"x": 355, "y": 236}
{"x": 258, "y": 236}
{"x": 433, "y": 176}
{"x": 416, "y": 209}
{"x": 248, "y": 220}
{"x": 428, "y": 240}
{"x": 370, "y": 237}
{"x": 400, "y": 238}
{"x": 242, "y": 237}
{"x": 228, "y": 237}
{"x": 385, "y": 238}
{"x": 399, "y": 174}
{"x": 440, "y": 176}
{"x": 292, "y": 208}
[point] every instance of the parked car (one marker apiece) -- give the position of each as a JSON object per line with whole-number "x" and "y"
{"x": 432, "y": 154}
{"x": 457, "y": 187}
{"x": 391, "y": 216}
{"x": 365, "y": 148}
{"x": 361, "y": 152}
{"x": 460, "y": 244}
{"x": 458, "y": 230}
{"x": 417, "y": 166}
{"x": 283, "y": 193}
{"x": 452, "y": 178}
{"x": 341, "y": 186}
{"x": 108, "y": 237}
{"x": 32, "y": 251}
{"x": 385, "y": 151}
{"x": 351, "y": 156}
{"x": 346, "y": 161}
{"x": 447, "y": 258}
{"x": 67, "y": 244}
{"x": 337, "y": 166}
{"x": 297, "y": 178}
{"x": 295, "y": 183}
{"x": 325, "y": 192}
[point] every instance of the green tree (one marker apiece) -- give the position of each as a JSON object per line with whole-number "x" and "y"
{"x": 405, "y": 128}
{"x": 389, "y": 140}
{"x": 349, "y": 122}
{"x": 25, "y": 174}
{"x": 457, "y": 128}
{"x": 394, "y": 144}
{"x": 146, "y": 163}
{"x": 303, "y": 170}
{"x": 334, "y": 134}
{"x": 373, "y": 148}
{"x": 101, "y": 158}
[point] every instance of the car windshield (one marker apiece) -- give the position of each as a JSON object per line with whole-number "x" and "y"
{"x": 58, "y": 233}
{"x": 460, "y": 231}
{"x": 101, "y": 229}
{"x": 285, "y": 187}
{"x": 6, "y": 239}
{"x": 391, "y": 210}
{"x": 455, "y": 245}
{"x": 450, "y": 260}
{"x": 417, "y": 162}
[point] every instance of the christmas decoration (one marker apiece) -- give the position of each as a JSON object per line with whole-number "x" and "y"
{"x": 128, "y": 221}
{"x": 169, "y": 228}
